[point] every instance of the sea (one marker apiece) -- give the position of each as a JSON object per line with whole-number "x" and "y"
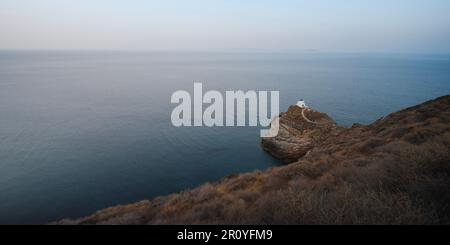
{"x": 85, "y": 130}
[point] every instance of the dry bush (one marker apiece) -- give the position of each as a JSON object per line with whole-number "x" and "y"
{"x": 315, "y": 169}
{"x": 343, "y": 205}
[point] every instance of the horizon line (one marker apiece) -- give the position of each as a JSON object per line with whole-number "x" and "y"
{"x": 279, "y": 51}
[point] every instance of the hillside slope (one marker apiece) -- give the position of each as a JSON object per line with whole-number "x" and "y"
{"x": 394, "y": 171}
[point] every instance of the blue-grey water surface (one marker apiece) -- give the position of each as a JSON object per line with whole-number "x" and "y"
{"x": 81, "y": 131}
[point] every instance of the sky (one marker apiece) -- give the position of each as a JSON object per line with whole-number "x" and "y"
{"x": 419, "y": 26}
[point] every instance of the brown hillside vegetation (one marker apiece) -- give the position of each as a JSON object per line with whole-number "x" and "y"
{"x": 394, "y": 171}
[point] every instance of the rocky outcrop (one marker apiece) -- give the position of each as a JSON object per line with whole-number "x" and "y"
{"x": 300, "y": 131}
{"x": 394, "y": 171}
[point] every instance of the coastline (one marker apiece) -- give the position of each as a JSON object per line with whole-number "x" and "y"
{"x": 393, "y": 171}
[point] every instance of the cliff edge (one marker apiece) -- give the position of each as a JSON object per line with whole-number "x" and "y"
{"x": 300, "y": 130}
{"x": 393, "y": 171}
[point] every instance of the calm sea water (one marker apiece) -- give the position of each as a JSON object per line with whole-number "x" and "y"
{"x": 81, "y": 131}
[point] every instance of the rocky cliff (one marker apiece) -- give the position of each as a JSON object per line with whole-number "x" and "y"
{"x": 394, "y": 171}
{"x": 300, "y": 130}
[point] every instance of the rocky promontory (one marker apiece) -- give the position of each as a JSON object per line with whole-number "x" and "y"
{"x": 393, "y": 171}
{"x": 300, "y": 129}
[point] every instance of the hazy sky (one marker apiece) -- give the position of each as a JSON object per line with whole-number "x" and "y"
{"x": 326, "y": 25}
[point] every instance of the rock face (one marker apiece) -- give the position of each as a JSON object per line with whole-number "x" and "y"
{"x": 393, "y": 171}
{"x": 300, "y": 130}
